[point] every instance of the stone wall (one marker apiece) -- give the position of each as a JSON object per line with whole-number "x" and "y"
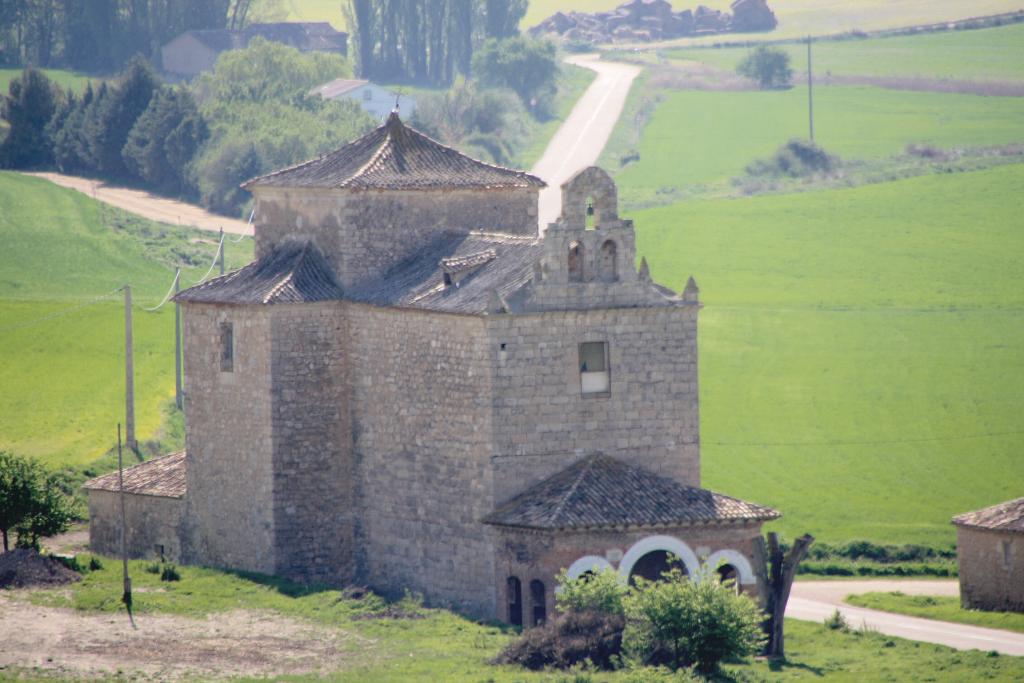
{"x": 362, "y": 234}
{"x": 535, "y": 555}
{"x": 991, "y": 569}
{"x": 314, "y": 515}
{"x": 229, "y": 519}
{"x": 421, "y": 421}
{"x": 152, "y": 522}
{"x": 543, "y": 422}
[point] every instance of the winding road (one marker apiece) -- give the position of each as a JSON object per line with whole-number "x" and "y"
{"x": 580, "y": 139}
{"x": 817, "y": 600}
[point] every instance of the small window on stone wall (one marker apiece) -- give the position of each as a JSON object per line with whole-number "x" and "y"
{"x": 595, "y": 380}
{"x": 539, "y": 603}
{"x": 591, "y": 219}
{"x": 227, "y": 348}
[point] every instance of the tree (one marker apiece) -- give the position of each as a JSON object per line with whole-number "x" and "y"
{"x": 112, "y": 117}
{"x": 164, "y": 139}
{"x": 30, "y": 103}
{"x": 769, "y": 66}
{"x": 502, "y": 17}
{"x": 527, "y": 66}
{"x": 602, "y": 591}
{"x": 70, "y": 149}
{"x": 777, "y": 573}
{"x": 31, "y": 502}
{"x": 681, "y": 622}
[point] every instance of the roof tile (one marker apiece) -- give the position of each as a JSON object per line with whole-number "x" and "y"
{"x": 1008, "y": 516}
{"x": 163, "y": 476}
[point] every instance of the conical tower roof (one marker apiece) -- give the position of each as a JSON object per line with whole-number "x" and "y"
{"x": 396, "y": 157}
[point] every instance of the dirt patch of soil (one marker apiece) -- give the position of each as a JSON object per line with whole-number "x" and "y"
{"x": 73, "y": 644}
{"x": 25, "y": 568}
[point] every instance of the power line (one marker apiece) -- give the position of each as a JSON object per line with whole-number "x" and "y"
{"x": 867, "y": 442}
{"x": 60, "y": 313}
{"x": 177, "y": 276}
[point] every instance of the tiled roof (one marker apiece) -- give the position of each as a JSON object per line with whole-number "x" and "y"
{"x": 496, "y": 264}
{"x": 295, "y": 272}
{"x": 164, "y": 476}
{"x": 1008, "y": 516}
{"x": 218, "y": 39}
{"x": 395, "y": 157}
{"x": 600, "y": 491}
{"x": 311, "y": 35}
{"x": 338, "y": 87}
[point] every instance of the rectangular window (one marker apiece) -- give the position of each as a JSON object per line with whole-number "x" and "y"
{"x": 227, "y": 348}
{"x": 595, "y": 379}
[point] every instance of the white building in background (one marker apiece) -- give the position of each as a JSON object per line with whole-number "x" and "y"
{"x": 376, "y": 100}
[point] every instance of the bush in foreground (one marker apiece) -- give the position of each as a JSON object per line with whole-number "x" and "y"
{"x": 570, "y": 639}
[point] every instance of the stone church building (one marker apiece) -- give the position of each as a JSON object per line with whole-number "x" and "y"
{"x": 409, "y": 388}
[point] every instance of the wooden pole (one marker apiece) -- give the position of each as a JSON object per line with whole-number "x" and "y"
{"x": 178, "y": 397}
{"x": 810, "y": 88}
{"x": 129, "y": 373}
{"x": 126, "y": 597}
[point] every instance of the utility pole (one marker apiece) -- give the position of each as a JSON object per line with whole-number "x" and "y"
{"x": 129, "y": 373}
{"x": 126, "y": 597}
{"x": 221, "y": 249}
{"x": 810, "y": 93}
{"x": 178, "y": 398}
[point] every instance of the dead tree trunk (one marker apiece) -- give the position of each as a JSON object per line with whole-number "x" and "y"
{"x": 777, "y": 574}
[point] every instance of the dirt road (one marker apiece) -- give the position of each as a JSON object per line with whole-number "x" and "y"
{"x": 583, "y": 135}
{"x": 149, "y": 205}
{"x": 816, "y": 600}
{"x": 72, "y": 644}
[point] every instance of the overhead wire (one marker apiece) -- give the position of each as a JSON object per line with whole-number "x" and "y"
{"x": 167, "y": 297}
{"x": 60, "y": 313}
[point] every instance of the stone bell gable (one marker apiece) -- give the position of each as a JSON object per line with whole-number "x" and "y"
{"x": 379, "y": 200}
{"x": 589, "y": 253}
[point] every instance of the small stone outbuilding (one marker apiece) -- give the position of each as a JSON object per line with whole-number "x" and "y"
{"x": 990, "y": 552}
{"x": 154, "y": 493}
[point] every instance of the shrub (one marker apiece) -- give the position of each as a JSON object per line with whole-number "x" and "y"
{"x": 170, "y": 573}
{"x": 769, "y": 66}
{"x": 153, "y": 568}
{"x": 601, "y": 591}
{"x": 798, "y": 159}
{"x": 526, "y": 65}
{"x": 679, "y": 622}
{"x": 570, "y": 639}
{"x": 837, "y": 622}
{"x": 95, "y": 564}
{"x": 31, "y": 502}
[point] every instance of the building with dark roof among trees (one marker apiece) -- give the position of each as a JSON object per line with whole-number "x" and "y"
{"x": 411, "y": 388}
{"x": 990, "y": 554}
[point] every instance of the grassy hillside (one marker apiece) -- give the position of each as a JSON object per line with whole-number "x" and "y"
{"x": 995, "y": 54}
{"x": 701, "y": 137}
{"x": 63, "y": 375}
{"x": 65, "y": 79}
{"x": 862, "y": 350}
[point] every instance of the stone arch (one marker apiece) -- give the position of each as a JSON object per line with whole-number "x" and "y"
{"x": 594, "y": 184}
{"x": 607, "y": 262}
{"x": 587, "y": 563}
{"x": 575, "y": 257}
{"x": 651, "y": 543}
{"x": 737, "y": 560}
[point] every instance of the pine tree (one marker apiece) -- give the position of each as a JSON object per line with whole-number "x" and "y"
{"x": 112, "y": 117}
{"x": 30, "y": 103}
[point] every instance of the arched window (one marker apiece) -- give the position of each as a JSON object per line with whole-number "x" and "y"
{"x": 727, "y": 573}
{"x": 591, "y": 214}
{"x": 538, "y": 598}
{"x": 514, "y": 597}
{"x": 607, "y": 266}
{"x": 655, "y": 563}
{"x": 576, "y": 262}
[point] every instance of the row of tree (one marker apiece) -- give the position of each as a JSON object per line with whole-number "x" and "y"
{"x": 101, "y": 35}
{"x": 426, "y": 40}
{"x": 135, "y": 130}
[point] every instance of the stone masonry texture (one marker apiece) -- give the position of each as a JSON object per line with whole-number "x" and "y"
{"x": 991, "y": 565}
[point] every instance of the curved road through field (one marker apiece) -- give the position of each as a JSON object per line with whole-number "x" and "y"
{"x": 816, "y": 600}
{"x": 580, "y": 139}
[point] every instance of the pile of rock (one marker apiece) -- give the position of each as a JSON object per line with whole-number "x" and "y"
{"x": 647, "y": 20}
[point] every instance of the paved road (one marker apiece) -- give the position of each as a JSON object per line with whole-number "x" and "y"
{"x": 816, "y": 600}
{"x": 149, "y": 205}
{"x": 579, "y": 140}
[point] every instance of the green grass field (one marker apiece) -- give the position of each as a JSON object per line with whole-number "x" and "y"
{"x": 443, "y": 646}
{"x": 862, "y": 350}
{"x": 937, "y": 607}
{"x": 64, "y": 79}
{"x": 994, "y": 54}
{"x": 63, "y": 376}
{"x": 697, "y": 138}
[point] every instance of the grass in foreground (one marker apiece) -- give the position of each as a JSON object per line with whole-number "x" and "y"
{"x": 937, "y": 607}
{"x": 444, "y": 646}
{"x": 63, "y": 365}
{"x": 862, "y": 350}
{"x": 993, "y": 54}
{"x": 696, "y": 139}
